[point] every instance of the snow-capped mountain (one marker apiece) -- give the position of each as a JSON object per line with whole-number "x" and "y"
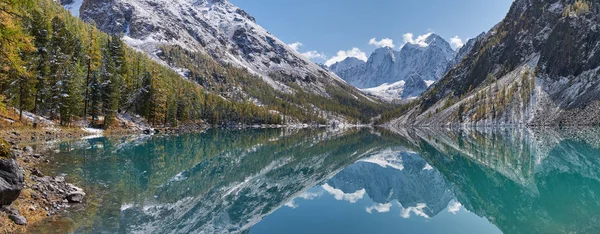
{"x": 216, "y": 28}
{"x": 538, "y": 66}
{"x": 346, "y": 64}
{"x": 414, "y": 63}
{"x": 404, "y": 177}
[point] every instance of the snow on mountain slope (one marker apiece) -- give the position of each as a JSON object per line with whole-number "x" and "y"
{"x": 396, "y": 91}
{"x": 346, "y": 64}
{"x": 387, "y": 92}
{"x": 416, "y": 63}
{"x": 215, "y": 27}
{"x": 538, "y": 66}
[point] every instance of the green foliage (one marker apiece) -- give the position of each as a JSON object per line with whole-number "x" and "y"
{"x": 238, "y": 84}
{"x": 66, "y": 69}
{"x": 395, "y": 113}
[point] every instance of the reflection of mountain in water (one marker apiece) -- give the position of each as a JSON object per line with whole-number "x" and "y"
{"x": 218, "y": 182}
{"x": 396, "y": 175}
{"x": 548, "y": 182}
{"x": 522, "y": 181}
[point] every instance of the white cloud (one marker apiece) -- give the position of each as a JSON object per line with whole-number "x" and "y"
{"x": 313, "y": 54}
{"x": 380, "y": 208}
{"x": 341, "y": 55}
{"x": 385, "y": 42}
{"x": 341, "y": 196}
{"x": 454, "y": 207}
{"x": 456, "y": 42}
{"x": 419, "y": 40}
{"x": 296, "y": 45}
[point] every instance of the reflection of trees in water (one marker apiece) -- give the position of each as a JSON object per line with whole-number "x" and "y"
{"x": 550, "y": 184}
{"x": 218, "y": 181}
{"x": 523, "y": 181}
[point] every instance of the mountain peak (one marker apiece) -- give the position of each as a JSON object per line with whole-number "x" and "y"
{"x": 432, "y": 38}
{"x": 348, "y": 63}
{"x": 381, "y": 54}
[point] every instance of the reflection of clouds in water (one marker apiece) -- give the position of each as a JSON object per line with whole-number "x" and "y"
{"x": 380, "y": 208}
{"x": 454, "y": 207}
{"x": 309, "y": 195}
{"x": 427, "y": 167}
{"x": 417, "y": 210}
{"x": 340, "y": 195}
{"x": 291, "y": 204}
{"x": 306, "y": 196}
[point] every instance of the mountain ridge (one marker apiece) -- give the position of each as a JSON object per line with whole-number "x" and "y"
{"x": 183, "y": 34}
{"x": 538, "y": 66}
{"x": 417, "y": 64}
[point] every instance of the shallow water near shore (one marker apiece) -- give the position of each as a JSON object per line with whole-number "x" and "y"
{"x": 334, "y": 181}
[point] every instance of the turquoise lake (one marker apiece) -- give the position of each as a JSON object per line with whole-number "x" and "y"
{"x": 334, "y": 181}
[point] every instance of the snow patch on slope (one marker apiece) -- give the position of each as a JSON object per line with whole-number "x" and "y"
{"x": 393, "y": 91}
{"x": 387, "y": 92}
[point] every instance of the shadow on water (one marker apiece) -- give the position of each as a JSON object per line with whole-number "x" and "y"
{"x": 224, "y": 181}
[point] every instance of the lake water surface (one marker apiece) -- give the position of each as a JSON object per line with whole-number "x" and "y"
{"x": 335, "y": 181}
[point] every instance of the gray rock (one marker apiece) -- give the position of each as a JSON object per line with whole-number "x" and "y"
{"x": 37, "y": 172}
{"x": 18, "y": 219}
{"x": 59, "y": 179}
{"x": 75, "y": 194}
{"x": 28, "y": 149}
{"x": 14, "y": 215}
{"x": 11, "y": 181}
{"x": 76, "y": 197}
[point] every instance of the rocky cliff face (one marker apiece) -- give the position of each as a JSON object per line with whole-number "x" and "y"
{"x": 226, "y": 32}
{"x": 539, "y": 66}
{"x": 414, "y": 63}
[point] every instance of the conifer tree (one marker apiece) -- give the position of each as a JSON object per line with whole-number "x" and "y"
{"x": 93, "y": 57}
{"x": 109, "y": 85}
{"x": 15, "y": 44}
{"x": 61, "y": 51}
{"x": 40, "y": 32}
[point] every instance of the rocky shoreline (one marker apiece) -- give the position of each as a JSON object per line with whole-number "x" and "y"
{"x": 26, "y": 195}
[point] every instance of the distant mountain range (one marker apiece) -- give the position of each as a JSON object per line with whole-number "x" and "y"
{"x": 403, "y": 74}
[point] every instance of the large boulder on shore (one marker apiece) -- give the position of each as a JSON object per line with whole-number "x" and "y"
{"x": 11, "y": 178}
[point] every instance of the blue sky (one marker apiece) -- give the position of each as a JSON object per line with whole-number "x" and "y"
{"x": 332, "y": 29}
